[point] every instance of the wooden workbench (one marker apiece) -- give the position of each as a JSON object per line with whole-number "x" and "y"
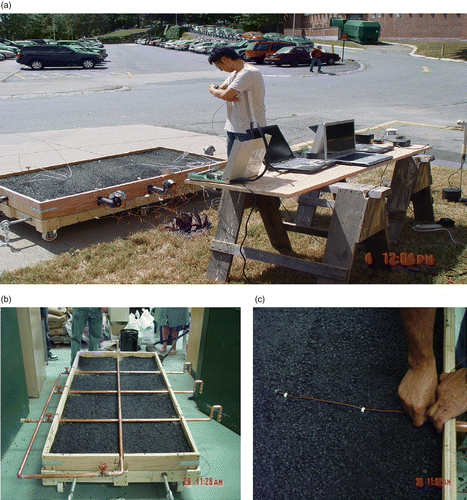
{"x": 361, "y": 214}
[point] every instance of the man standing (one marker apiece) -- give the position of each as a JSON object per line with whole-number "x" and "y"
{"x": 244, "y": 92}
{"x": 316, "y": 55}
{"x": 83, "y": 316}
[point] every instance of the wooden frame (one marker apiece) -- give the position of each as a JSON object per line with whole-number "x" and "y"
{"x": 449, "y": 469}
{"x": 50, "y": 215}
{"x": 138, "y": 467}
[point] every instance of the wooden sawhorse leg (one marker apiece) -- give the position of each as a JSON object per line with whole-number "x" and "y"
{"x": 411, "y": 181}
{"x": 360, "y": 215}
{"x": 231, "y": 212}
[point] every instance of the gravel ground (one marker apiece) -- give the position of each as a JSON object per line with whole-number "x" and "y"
{"x": 49, "y": 184}
{"x": 312, "y": 450}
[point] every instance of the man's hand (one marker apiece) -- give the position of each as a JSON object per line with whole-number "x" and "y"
{"x": 224, "y": 93}
{"x": 418, "y": 391}
{"x": 452, "y": 398}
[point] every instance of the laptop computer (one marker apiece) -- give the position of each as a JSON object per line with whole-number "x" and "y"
{"x": 281, "y": 157}
{"x": 338, "y": 143}
{"x": 245, "y": 163}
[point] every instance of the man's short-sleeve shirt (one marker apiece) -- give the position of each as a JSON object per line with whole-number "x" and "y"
{"x": 249, "y": 82}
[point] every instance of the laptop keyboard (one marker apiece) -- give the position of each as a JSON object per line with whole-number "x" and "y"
{"x": 299, "y": 162}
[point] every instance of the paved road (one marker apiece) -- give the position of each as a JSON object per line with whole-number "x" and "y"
{"x": 144, "y": 84}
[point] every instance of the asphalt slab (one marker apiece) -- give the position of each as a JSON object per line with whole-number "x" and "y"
{"x": 305, "y": 449}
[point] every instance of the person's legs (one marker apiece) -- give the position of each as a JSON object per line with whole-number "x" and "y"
{"x": 78, "y": 324}
{"x": 173, "y": 337}
{"x": 165, "y": 337}
{"x": 95, "y": 328}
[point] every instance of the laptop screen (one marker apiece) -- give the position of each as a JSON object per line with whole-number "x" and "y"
{"x": 278, "y": 147}
{"x": 340, "y": 136}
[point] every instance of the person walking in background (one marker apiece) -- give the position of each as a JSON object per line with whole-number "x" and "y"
{"x": 316, "y": 55}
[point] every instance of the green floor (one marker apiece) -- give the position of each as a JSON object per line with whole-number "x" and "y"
{"x": 219, "y": 448}
{"x": 462, "y": 471}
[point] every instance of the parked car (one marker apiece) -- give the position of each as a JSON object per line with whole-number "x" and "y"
{"x": 183, "y": 45}
{"x": 8, "y": 52}
{"x": 240, "y": 47}
{"x": 74, "y": 43}
{"x": 252, "y": 35}
{"x": 258, "y": 51}
{"x": 40, "y": 56}
{"x": 298, "y": 55}
{"x": 300, "y": 40}
{"x": 204, "y": 48}
{"x": 9, "y": 44}
{"x": 274, "y": 36}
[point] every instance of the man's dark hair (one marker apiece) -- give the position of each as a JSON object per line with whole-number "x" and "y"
{"x": 219, "y": 52}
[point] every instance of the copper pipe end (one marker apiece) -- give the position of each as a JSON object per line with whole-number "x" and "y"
{"x": 201, "y": 384}
{"x": 461, "y": 426}
{"x": 219, "y": 412}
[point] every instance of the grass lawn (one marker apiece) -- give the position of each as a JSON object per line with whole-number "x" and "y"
{"x": 159, "y": 256}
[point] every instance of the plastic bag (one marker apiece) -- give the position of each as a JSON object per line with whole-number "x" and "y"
{"x": 146, "y": 327}
{"x": 132, "y": 323}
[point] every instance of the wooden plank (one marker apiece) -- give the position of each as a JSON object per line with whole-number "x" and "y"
{"x": 292, "y": 185}
{"x": 313, "y": 231}
{"x": 272, "y": 221}
{"x": 317, "y": 269}
{"x": 87, "y": 201}
{"x": 449, "y": 469}
{"x": 137, "y": 476}
{"x": 345, "y": 229}
{"x": 230, "y": 217}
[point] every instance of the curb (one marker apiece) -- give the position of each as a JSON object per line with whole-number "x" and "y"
{"x": 115, "y": 88}
{"x": 415, "y": 48}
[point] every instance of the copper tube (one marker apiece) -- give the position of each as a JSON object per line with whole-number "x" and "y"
{"x": 115, "y": 420}
{"x": 126, "y": 392}
{"x": 461, "y": 426}
{"x": 28, "y": 451}
{"x": 101, "y": 372}
{"x": 201, "y": 384}
{"x": 119, "y": 400}
{"x": 219, "y": 412}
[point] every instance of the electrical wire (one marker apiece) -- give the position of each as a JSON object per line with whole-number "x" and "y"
{"x": 438, "y": 229}
{"x": 246, "y": 234}
{"x": 454, "y": 173}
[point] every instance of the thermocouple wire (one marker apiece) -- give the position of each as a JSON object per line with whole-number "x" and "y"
{"x": 361, "y": 408}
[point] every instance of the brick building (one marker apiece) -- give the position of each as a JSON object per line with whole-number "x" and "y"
{"x": 410, "y": 26}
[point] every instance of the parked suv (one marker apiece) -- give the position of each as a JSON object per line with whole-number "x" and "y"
{"x": 39, "y": 56}
{"x": 257, "y": 51}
